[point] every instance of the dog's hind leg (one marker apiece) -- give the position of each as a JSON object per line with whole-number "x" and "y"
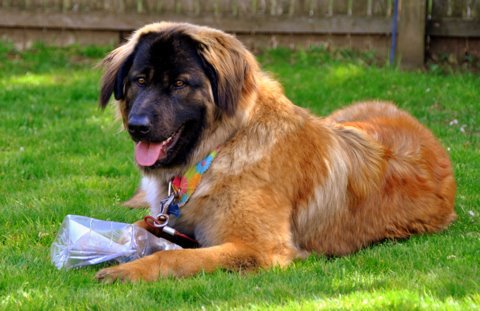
{"x": 138, "y": 200}
{"x": 145, "y": 195}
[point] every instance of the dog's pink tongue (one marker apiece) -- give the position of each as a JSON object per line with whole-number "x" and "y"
{"x": 146, "y": 154}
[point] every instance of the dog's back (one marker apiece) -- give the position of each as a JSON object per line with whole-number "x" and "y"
{"x": 411, "y": 189}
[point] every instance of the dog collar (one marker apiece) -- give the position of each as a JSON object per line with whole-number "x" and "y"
{"x": 184, "y": 186}
{"x": 180, "y": 189}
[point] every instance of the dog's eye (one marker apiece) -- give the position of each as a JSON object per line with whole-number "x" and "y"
{"x": 179, "y": 84}
{"x": 141, "y": 81}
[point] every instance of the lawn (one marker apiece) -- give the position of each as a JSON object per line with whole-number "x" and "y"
{"x": 60, "y": 154}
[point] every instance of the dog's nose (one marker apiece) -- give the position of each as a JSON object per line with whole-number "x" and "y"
{"x": 139, "y": 126}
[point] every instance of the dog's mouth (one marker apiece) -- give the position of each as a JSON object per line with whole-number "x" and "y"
{"x": 147, "y": 154}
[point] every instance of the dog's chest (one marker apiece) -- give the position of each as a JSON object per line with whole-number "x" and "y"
{"x": 198, "y": 217}
{"x": 200, "y": 221}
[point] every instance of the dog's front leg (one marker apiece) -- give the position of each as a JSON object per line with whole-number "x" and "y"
{"x": 184, "y": 262}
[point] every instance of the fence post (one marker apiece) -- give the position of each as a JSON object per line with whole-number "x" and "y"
{"x": 411, "y": 33}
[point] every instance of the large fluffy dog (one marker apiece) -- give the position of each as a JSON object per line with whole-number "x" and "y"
{"x": 284, "y": 183}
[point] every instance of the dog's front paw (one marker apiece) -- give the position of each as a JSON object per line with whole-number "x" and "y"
{"x": 124, "y": 273}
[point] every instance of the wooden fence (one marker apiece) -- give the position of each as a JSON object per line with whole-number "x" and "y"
{"x": 453, "y": 31}
{"x": 358, "y": 24}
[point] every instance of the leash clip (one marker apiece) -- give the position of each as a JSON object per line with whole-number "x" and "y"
{"x": 159, "y": 222}
{"x": 169, "y": 206}
{"x": 161, "y": 219}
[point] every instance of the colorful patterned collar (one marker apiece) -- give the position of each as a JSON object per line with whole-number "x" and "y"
{"x": 184, "y": 186}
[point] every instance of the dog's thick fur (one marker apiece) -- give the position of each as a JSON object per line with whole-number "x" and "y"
{"x": 286, "y": 183}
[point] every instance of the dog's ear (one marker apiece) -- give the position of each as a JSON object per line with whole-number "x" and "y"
{"x": 118, "y": 89}
{"x": 229, "y": 67}
{"x": 116, "y": 67}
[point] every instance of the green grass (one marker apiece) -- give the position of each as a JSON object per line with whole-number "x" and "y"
{"x": 59, "y": 154}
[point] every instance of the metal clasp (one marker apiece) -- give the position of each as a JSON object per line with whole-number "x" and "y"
{"x": 158, "y": 222}
{"x": 164, "y": 204}
{"x": 161, "y": 219}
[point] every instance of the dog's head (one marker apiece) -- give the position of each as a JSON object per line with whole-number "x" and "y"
{"x": 176, "y": 84}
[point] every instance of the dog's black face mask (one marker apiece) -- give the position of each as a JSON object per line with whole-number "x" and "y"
{"x": 167, "y": 88}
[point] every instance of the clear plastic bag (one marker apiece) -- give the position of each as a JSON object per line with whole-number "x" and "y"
{"x": 84, "y": 241}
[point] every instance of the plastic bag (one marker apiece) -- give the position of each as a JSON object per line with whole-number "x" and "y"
{"x": 84, "y": 241}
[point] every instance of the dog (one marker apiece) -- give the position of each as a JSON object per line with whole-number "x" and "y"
{"x": 283, "y": 183}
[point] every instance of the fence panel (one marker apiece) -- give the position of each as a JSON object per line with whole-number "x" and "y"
{"x": 454, "y": 18}
{"x": 363, "y": 24}
{"x": 454, "y": 30}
